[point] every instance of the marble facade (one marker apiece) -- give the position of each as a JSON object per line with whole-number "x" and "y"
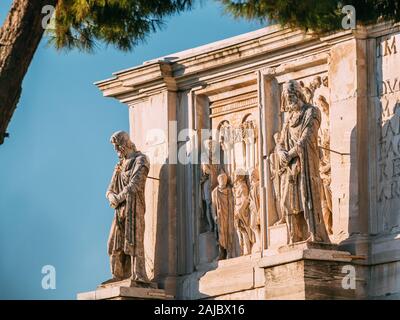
{"x": 233, "y": 88}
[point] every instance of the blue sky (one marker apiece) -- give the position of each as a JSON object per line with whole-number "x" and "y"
{"x": 56, "y": 165}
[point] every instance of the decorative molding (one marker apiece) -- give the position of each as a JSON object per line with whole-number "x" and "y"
{"x": 139, "y": 82}
{"x": 234, "y": 104}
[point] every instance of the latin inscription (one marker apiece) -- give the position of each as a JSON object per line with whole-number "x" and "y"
{"x": 388, "y": 116}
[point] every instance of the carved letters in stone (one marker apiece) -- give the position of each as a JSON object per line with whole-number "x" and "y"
{"x": 388, "y": 133}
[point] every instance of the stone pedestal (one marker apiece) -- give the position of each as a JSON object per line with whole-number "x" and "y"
{"x": 307, "y": 271}
{"x": 231, "y": 279}
{"x": 303, "y": 271}
{"x": 125, "y": 290}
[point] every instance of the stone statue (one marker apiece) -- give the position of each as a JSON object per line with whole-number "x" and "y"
{"x": 223, "y": 209}
{"x": 298, "y": 152}
{"x": 316, "y": 93}
{"x": 255, "y": 208}
{"x": 242, "y": 213}
{"x": 126, "y": 195}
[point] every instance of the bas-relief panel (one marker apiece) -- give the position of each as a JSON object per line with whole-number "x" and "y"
{"x": 230, "y": 181}
{"x": 388, "y": 126}
{"x": 229, "y": 177}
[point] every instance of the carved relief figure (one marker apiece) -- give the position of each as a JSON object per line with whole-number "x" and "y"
{"x": 299, "y": 155}
{"x": 242, "y": 214}
{"x": 223, "y": 209}
{"x": 205, "y": 188}
{"x": 226, "y": 147}
{"x": 326, "y": 192}
{"x": 249, "y": 136}
{"x": 238, "y": 153}
{"x": 325, "y": 164}
{"x": 275, "y": 175}
{"x": 211, "y": 148}
{"x": 316, "y": 83}
{"x": 308, "y": 92}
{"x": 321, "y": 93}
{"x": 126, "y": 195}
{"x": 255, "y": 208}
{"x": 321, "y": 102}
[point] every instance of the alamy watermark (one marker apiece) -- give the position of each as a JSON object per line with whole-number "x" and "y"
{"x": 205, "y": 146}
{"x": 349, "y": 20}
{"x": 49, "y": 18}
{"x": 349, "y": 280}
{"x": 49, "y": 278}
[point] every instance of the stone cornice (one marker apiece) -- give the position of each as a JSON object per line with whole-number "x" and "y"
{"x": 180, "y": 72}
{"x": 147, "y": 78}
{"x": 235, "y": 57}
{"x": 376, "y": 30}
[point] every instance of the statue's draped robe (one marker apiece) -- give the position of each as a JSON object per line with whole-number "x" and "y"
{"x": 242, "y": 215}
{"x": 205, "y": 202}
{"x": 276, "y": 172}
{"x": 326, "y": 192}
{"x": 255, "y": 207}
{"x": 223, "y": 208}
{"x": 127, "y": 230}
{"x": 208, "y": 182}
{"x": 301, "y": 180}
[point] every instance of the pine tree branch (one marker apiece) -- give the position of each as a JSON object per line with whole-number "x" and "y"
{"x": 19, "y": 38}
